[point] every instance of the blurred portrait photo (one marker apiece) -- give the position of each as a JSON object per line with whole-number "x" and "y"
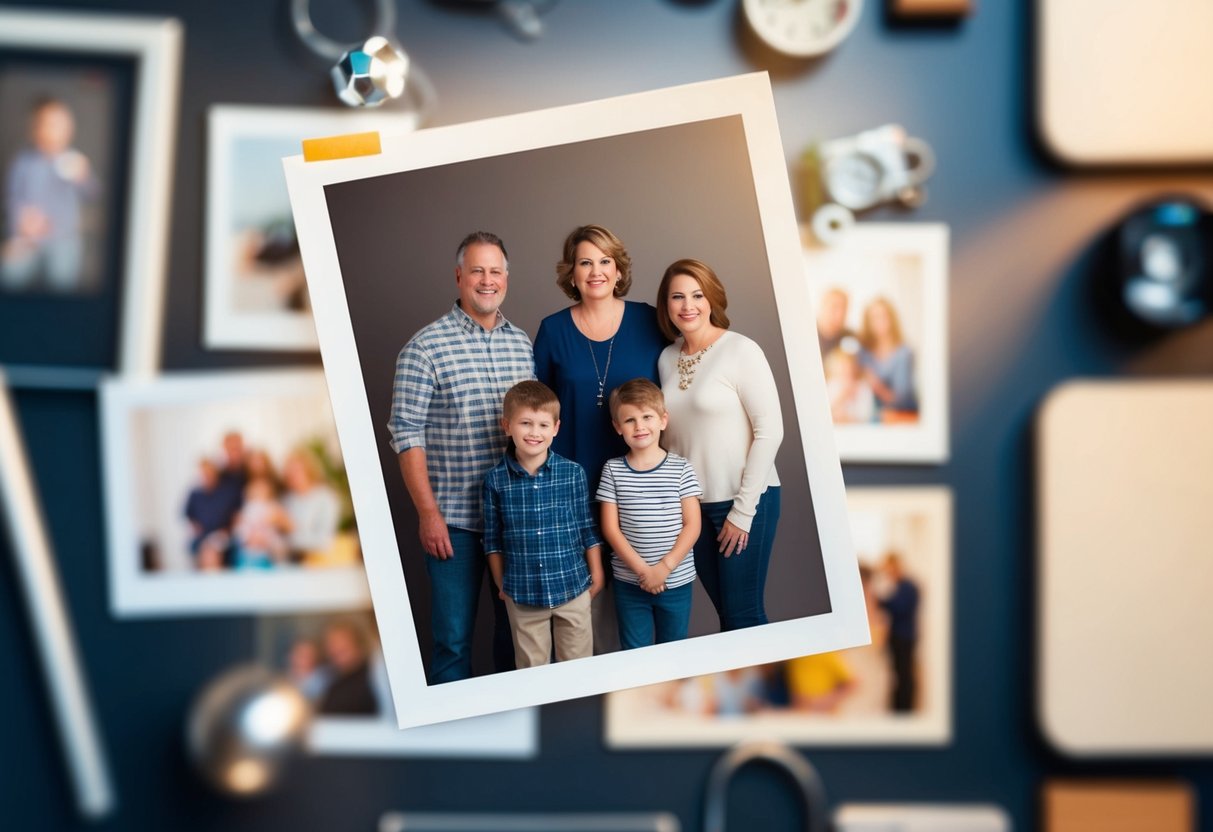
{"x": 56, "y": 157}
{"x": 880, "y": 297}
{"x": 223, "y": 487}
{"x": 894, "y": 691}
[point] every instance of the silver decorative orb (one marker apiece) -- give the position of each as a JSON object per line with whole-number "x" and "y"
{"x": 371, "y": 74}
{"x": 244, "y": 727}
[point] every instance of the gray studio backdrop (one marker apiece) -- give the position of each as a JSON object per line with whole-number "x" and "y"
{"x": 681, "y": 191}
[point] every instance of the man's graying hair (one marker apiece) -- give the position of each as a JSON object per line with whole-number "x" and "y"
{"x": 485, "y": 237}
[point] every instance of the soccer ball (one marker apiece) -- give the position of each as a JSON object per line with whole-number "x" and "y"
{"x": 371, "y": 74}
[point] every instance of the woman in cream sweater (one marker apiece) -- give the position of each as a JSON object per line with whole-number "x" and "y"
{"x": 725, "y": 418}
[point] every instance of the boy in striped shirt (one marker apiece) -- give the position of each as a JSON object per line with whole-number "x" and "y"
{"x": 650, "y": 517}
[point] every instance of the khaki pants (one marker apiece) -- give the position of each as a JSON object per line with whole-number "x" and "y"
{"x": 536, "y": 628}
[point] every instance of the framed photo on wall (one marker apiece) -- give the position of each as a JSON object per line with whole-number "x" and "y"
{"x": 895, "y": 691}
{"x": 379, "y": 237}
{"x": 337, "y": 664}
{"x": 88, "y": 113}
{"x": 881, "y": 294}
{"x": 226, "y": 494}
{"x": 256, "y": 295}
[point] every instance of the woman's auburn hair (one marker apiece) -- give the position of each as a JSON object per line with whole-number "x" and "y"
{"x": 713, "y": 292}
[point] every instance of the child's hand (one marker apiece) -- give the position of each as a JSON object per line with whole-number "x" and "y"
{"x": 652, "y": 579}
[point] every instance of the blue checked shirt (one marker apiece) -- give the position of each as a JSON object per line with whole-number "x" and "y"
{"x": 542, "y": 526}
{"x": 450, "y": 380}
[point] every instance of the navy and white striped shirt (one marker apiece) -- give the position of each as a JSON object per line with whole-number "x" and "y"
{"x": 541, "y": 524}
{"x": 650, "y": 511}
{"x": 451, "y": 378}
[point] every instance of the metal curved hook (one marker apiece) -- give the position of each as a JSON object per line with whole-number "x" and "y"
{"x": 794, "y": 764}
{"x": 326, "y": 47}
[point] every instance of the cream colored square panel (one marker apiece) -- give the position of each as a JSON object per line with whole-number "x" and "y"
{"x": 1125, "y": 567}
{"x": 1126, "y": 81}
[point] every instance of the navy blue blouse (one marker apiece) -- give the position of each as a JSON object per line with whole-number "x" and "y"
{"x": 563, "y": 362}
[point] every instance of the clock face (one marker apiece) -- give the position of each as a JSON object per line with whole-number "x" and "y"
{"x": 802, "y": 28}
{"x": 853, "y": 180}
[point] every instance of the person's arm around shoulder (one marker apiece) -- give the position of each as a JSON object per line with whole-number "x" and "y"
{"x": 412, "y": 391}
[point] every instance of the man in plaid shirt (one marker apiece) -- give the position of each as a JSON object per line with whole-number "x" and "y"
{"x": 451, "y": 378}
{"x": 540, "y": 540}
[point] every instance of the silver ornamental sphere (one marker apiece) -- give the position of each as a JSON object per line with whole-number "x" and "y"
{"x": 244, "y": 727}
{"x": 371, "y": 74}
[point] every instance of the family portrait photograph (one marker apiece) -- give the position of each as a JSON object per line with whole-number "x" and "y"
{"x": 894, "y": 691}
{"x": 227, "y": 493}
{"x": 336, "y": 662}
{"x": 880, "y": 292}
{"x": 571, "y": 360}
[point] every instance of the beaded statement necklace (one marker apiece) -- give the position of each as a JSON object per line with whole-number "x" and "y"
{"x": 688, "y": 364}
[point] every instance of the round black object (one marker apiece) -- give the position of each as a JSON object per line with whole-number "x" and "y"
{"x": 1165, "y": 254}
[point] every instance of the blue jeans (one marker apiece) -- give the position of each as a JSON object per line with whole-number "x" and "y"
{"x": 646, "y": 619}
{"x": 736, "y": 584}
{"x": 454, "y": 597}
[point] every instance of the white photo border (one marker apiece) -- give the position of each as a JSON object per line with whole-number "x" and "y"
{"x": 926, "y": 441}
{"x": 417, "y": 703}
{"x": 155, "y": 44}
{"x": 932, "y": 727}
{"x": 134, "y": 592}
{"x": 224, "y": 328}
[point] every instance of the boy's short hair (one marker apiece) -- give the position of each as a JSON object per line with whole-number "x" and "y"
{"x": 639, "y": 392}
{"x": 530, "y": 395}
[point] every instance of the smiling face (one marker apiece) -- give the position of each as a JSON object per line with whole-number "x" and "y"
{"x": 688, "y": 307}
{"x": 482, "y": 279}
{"x": 640, "y": 426}
{"x": 595, "y": 272}
{"x": 532, "y": 431}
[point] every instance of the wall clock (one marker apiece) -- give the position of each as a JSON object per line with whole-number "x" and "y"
{"x": 802, "y": 28}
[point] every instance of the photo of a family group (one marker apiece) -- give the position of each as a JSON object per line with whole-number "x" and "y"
{"x": 336, "y": 662}
{"x": 228, "y": 493}
{"x": 894, "y": 691}
{"x": 597, "y": 436}
{"x": 880, "y": 294}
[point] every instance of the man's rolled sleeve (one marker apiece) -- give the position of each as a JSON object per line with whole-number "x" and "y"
{"x": 412, "y": 390}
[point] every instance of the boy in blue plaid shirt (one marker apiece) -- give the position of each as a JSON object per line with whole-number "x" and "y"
{"x": 539, "y": 537}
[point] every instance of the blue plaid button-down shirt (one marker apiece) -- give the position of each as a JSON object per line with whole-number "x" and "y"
{"x": 450, "y": 380}
{"x": 541, "y": 524}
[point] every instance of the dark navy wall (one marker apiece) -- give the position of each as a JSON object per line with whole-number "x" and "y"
{"x": 1021, "y": 321}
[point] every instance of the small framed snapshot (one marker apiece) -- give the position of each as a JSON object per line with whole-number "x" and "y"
{"x": 88, "y": 106}
{"x": 337, "y": 663}
{"x": 881, "y": 297}
{"x": 226, "y": 493}
{"x": 255, "y": 294}
{"x": 895, "y": 691}
{"x": 388, "y": 246}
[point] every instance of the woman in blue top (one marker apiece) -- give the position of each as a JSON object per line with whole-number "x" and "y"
{"x": 585, "y": 351}
{"x": 888, "y": 362}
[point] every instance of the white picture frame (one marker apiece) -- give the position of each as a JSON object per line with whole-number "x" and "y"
{"x": 150, "y": 465}
{"x": 509, "y": 735}
{"x": 917, "y": 523}
{"x": 907, "y": 265}
{"x": 744, "y": 107}
{"x": 245, "y": 189}
{"x": 154, "y": 45}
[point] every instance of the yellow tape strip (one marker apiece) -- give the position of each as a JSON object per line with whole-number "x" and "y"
{"x": 341, "y": 147}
